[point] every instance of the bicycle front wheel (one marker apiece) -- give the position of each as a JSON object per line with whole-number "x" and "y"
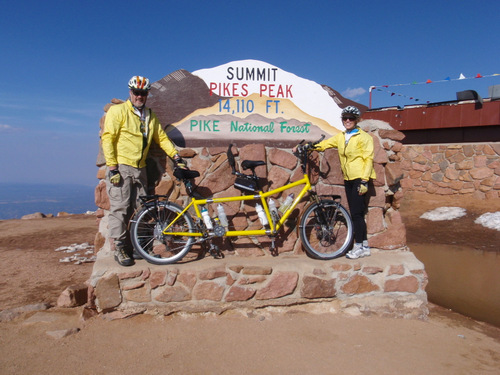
{"x": 326, "y": 230}
{"x": 147, "y": 236}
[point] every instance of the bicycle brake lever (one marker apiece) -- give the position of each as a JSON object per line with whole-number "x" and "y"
{"x": 319, "y": 140}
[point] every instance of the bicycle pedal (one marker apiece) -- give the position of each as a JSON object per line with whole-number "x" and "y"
{"x": 215, "y": 252}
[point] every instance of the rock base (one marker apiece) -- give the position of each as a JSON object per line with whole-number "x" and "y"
{"x": 388, "y": 283}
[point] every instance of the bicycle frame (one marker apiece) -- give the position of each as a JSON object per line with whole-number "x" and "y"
{"x": 325, "y": 227}
{"x": 274, "y": 228}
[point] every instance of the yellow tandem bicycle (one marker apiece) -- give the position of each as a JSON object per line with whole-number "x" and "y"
{"x": 163, "y": 232}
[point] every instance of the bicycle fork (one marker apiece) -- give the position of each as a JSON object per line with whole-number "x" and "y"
{"x": 323, "y": 219}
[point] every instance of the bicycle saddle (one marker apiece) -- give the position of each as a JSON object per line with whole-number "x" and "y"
{"x": 185, "y": 174}
{"x": 251, "y": 164}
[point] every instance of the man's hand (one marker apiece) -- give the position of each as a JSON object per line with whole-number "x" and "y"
{"x": 363, "y": 188}
{"x": 180, "y": 163}
{"x": 114, "y": 177}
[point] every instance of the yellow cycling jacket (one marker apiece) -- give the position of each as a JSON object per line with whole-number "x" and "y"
{"x": 123, "y": 141}
{"x": 356, "y": 156}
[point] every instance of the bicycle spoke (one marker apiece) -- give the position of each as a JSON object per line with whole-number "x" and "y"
{"x": 149, "y": 240}
{"x": 326, "y": 231}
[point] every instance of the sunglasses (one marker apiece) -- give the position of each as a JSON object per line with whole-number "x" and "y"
{"x": 140, "y": 93}
{"x": 348, "y": 118}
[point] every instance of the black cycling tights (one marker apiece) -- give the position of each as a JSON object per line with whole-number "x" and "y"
{"x": 357, "y": 208}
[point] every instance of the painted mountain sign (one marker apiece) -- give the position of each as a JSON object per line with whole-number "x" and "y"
{"x": 244, "y": 102}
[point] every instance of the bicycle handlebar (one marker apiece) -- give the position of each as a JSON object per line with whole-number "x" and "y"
{"x": 308, "y": 147}
{"x": 303, "y": 150}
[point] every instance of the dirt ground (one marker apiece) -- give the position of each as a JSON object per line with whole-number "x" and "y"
{"x": 257, "y": 342}
{"x": 29, "y": 265}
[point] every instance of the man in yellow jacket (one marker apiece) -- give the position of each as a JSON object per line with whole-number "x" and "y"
{"x": 129, "y": 129}
{"x": 355, "y": 148}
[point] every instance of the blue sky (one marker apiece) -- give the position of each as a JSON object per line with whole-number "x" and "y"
{"x": 62, "y": 61}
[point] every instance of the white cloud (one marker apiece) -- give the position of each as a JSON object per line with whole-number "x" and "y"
{"x": 62, "y": 120}
{"x": 8, "y": 129}
{"x": 353, "y": 93}
{"x": 57, "y": 106}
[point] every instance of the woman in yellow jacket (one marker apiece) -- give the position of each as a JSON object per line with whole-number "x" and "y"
{"x": 355, "y": 148}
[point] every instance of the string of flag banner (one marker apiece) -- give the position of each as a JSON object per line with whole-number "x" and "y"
{"x": 447, "y": 79}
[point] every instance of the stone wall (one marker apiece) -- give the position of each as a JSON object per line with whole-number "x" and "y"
{"x": 452, "y": 169}
{"x": 390, "y": 283}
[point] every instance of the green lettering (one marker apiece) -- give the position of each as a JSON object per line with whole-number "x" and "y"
{"x": 294, "y": 129}
{"x": 206, "y": 125}
{"x": 283, "y": 127}
{"x": 247, "y": 127}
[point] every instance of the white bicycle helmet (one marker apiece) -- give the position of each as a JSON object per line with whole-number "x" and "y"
{"x": 351, "y": 110}
{"x": 139, "y": 83}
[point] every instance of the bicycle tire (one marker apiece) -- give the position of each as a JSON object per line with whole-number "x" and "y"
{"x": 148, "y": 239}
{"x": 330, "y": 240}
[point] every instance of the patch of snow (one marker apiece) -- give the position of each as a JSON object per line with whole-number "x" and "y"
{"x": 76, "y": 258}
{"x": 489, "y": 220}
{"x": 444, "y": 213}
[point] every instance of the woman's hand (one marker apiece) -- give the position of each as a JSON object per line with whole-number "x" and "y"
{"x": 363, "y": 188}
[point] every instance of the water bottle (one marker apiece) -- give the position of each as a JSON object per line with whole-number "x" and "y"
{"x": 272, "y": 207}
{"x": 222, "y": 215}
{"x": 287, "y": 203}
{"x": 206, "y": 218}
{"x": 261, "y": 214}
{"x": 275, "y": 216}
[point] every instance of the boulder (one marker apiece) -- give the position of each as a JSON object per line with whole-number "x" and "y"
{"x": 73, "y": 296}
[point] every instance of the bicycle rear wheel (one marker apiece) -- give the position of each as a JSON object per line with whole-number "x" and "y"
{"x": 146, "y": 233}
{"x": 326, "y": 230}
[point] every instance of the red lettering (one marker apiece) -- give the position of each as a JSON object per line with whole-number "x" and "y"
{"x": 271, "y": 89}
{"x": 241, "y": 89}
{"x": 262, "y": 89}
{"x": 226, "y": 91}
{"x": 244, "y": 91}
{"x": 213, "y": 86}
{"x": 280, "y": 91}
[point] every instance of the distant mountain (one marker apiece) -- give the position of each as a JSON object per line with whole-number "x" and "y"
{"x": 17, "y": 200}
{"x": 177, "y": 95}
